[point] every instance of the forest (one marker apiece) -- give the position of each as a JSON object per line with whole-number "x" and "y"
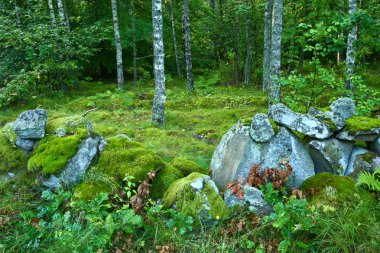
{"x": 189, "y": 126}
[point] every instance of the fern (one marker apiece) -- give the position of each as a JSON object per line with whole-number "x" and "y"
{"x": 371, "y": 181}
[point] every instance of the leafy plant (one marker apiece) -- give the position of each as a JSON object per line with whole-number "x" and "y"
{"x": 369, "y": 180}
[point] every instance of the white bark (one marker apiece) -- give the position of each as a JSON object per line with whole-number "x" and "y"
{"x": 267, "y": 44}
{"x": 119, "y": 51}
{"x": 275, "y": 57}
{"x": 189, "y": 61}
{"x": 62, "y": 15}
{"x": 175, "y": 46}
{"x": 158, "y": 112}
{"x": 134, "y": 43}
{"x": 52, "y": 14}
{"x": 248, "y": 53}
{"x": 17, "y": 12}
{"x": 350, "y": 56}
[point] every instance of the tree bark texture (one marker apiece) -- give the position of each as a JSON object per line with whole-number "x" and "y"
{"x": 350, "y": 56}
{"x": 52, "y": 14}
{"x": 134, "y": 45}
{"x": 267, "y": 43}
{"x": 248, "y": 53}
{"x": 189, "y": 61}
{"x": 119, "y": 51}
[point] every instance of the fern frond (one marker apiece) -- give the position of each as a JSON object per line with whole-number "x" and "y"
{"x": 369, "y": 180}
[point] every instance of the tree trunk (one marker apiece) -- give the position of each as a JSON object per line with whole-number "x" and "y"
{"x": 267, "y": 43}
{"x": 248, "y": 53}
{"x": 119, "y": 51}
{"x": 158, "y": 113}
{"x": 17, "y": 12}
{"x": 52, "y": 14}
{"x": 215, "y": 34}
{"x": 350, "y": 56}
{"x": 189, "y": 63}
{"x": 175, "y": 46}
{"x": 236, "y": 49}
{"x": 275, "y": 57}
{"x": 134, "y": 46}
{"x": 62, "y": 15}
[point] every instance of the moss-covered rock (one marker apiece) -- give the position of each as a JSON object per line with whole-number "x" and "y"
{"x": 65, "y": 125}
{"x": 53, "y": 153}
{"x": 196, "y": 195}
{"x": 333, "y": 190}
{"x": 187, "y": 167}
{"x": 122, "y": 157}
{"x": 11, "y": 158}
{"x": 361, "y": 124}
{"x": 90, "y": 189}
{"x": 10, "y": 133}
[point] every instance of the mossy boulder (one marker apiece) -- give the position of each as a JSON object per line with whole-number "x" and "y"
{"x": 11, "y": 158}
{"x": 333, "y": 190}
{"x": 9, "y": 133}
{"x": 196, "y": 195}
{"x": 65, "y": 125}
{"x": 361, "y": 124}
{"x": 53, "y": 153}
{"x": 122, "y": 157}
{"x": 187, "y": 167}
{"x": 90, "y": 189}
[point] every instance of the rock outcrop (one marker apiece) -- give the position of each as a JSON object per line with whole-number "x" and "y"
{"x": 261, "y": 129}
{"x": 31, "y": 124}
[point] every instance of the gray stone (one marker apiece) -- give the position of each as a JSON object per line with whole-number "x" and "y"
{"x": 234, "y": 156}
{"x": 331, "y": 155}
{"x": 261, "y": 129}
{"x": 342, "y": 109}
{"x": 197, "y": 185}
{"x": 25, "y": 144}
{"x": 286, "y": 146}
{"x": 375, "y": 146}
{"x": 362, "y": 160}
{"x": 73, "y": 173}
{"x": 303, "y": 123}
{"x": 253, "y": 198}
{"x": 31, "y": 124}
{"x": 369, "y": 135}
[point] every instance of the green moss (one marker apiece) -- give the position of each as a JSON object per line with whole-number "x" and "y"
{"x": 274, "y": 125}
{"x": 11, "y": 158}
{"x": 360, "y": 123}
{"x": 190, "y": 203}
{"x": 122, "y": 157}
{"x": 246, "y": 121}
{"x": 328, "y": 189}
{"x": 302, "y": 137}
{"x": 89, "y": 190}
{"x": 187, "y": 167}
{"x": 369, "y": 157}
{"x": 9, "y": 133}
{"x": 68, "y": 124}
{"x": 53, "y": 153}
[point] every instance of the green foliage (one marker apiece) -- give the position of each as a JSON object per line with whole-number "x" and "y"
{"x": 369, "y": 180}
{"x": 361, "y": 123}
{"x": 11, "y": 158}
{"x": 53, "y": 153}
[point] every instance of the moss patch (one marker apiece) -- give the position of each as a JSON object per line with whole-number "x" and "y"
{"x": 360, "y": 123}
{"x": 53, "y": 153}
{"x": 190, "y": 203}
{"x": 187, "y": 167}
{"x": 274, "y": 125}
{"x": 328, "y": 189}
{"x": 11, "y": 158}
{"x": 68, "y": 124}
{"x": 90, "y": 189}
{"x": 9, "y": 133}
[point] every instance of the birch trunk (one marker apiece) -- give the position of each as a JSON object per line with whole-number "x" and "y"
{"x": 62, "y": 15}
{"x": 236, "y": 49}
{"x": 275, "y": 57}
{"x": 52, "y": 14}
{"x": 175, "y": 46}
{"x": 158, "y": 113}
{"x": 134, "y": 46}
{"x": 17, "y": 12}
{"x": 248, "y": 53}
{"x": 119, "y": 51}
{"x": 189, "y": 63}
{"x": 267, "y": 44}
{"x": 350, "y": 56}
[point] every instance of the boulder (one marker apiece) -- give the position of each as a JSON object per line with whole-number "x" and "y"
{"x": 341, "y": 110}
{"x": 196, "y": 195}
{"x": 10, "y": 133}
{"x": 25, "y": 144}
{"x": 234, "y": 156}
{"x": 375, "y": 145}
{"x": 369, "y": 135}
{"x": 303, "y": 123}
{"x": 73, "y": 173}
{"x": 261, "y": 129}
{"x": 331, "y": 155}
{"x": 253, "y": 198}
{"x": 286, "y": 146}
{"x": 360, "y": 128}
{"x": 362, "y": 160}
{"x": 31, "y": 124}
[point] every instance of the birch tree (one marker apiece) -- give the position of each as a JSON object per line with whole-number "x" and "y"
{"x": 17, "y": 12}
{"x": 119, "y": 51}
{"x": 275, "y": 56}
{"x": 248, "y": 53}
{"x": 62, "y": 15}
{"x": 237, "y": 49}
{"x": 175, "y": 45}
{"x": 267, "y": 43}
{"x": 52, "y": 14}
{"x": 158, "y": 113}
{"x": 134, "y": 46}
{"x": 189, "y": 61}
{"x": 350, "y": 56}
